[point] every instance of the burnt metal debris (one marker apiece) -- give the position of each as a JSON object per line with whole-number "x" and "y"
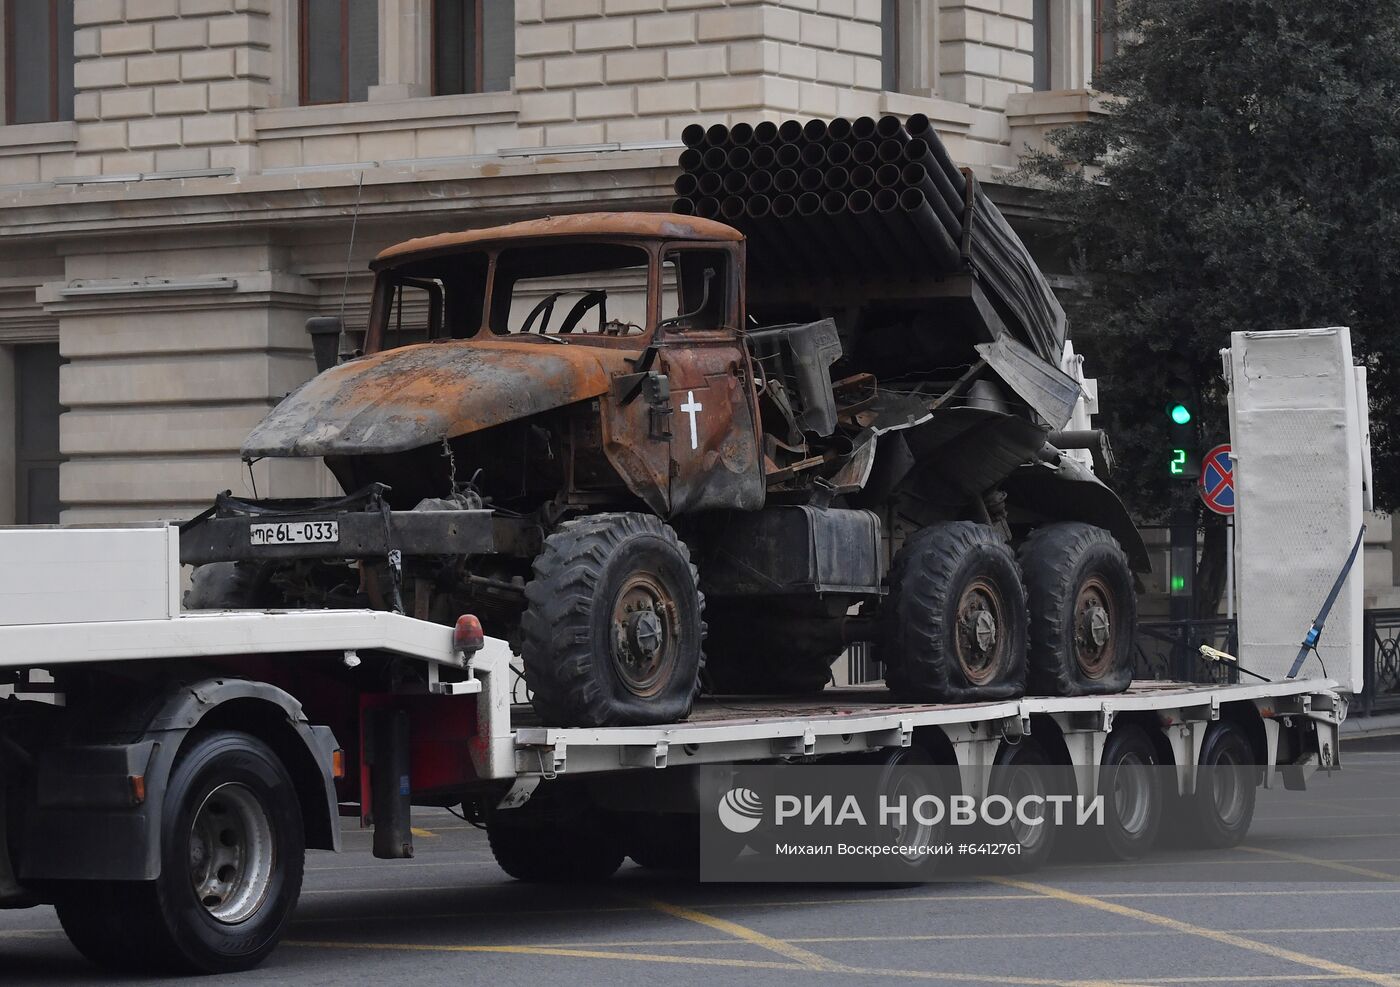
{"x": 661, "y": 451}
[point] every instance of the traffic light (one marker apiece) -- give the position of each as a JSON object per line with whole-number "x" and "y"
{"x": 1184, "y": 459}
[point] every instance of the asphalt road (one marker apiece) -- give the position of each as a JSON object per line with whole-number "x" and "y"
{"x": 1312, "y": 896}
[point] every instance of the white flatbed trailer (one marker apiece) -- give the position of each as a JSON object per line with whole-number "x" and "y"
{"x": 150, "y": 756}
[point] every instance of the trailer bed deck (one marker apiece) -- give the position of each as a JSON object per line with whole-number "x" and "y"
{"x": 857, "y": 718}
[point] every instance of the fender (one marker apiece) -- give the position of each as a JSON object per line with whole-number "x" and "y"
{"x": 87, "y": 823}
{"x": 1060, "y": 489}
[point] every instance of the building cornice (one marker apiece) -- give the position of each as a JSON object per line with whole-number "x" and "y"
{"x": 499, "y": 185}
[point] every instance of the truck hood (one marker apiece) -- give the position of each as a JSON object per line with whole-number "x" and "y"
{"x": 408, "y": 397}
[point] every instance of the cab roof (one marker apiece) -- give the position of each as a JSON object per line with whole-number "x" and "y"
{"x": 629, "y": 225}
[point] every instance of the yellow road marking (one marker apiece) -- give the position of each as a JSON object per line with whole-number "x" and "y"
{"x": 1337, "y": 865}
{"x": 423, "y": 833}
{"x": 806, "y": 957}
{"x": 1336, "y": 836}
{"x": 600, "y": 954}
{"x": 1273, "y": 978}
{"x": 803, "y": 902}
{"x": 1215, "y": 935}
{"x": 838, "y": 940}
{"x": 593, "y": 954}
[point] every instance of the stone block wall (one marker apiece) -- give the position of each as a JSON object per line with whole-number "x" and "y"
{"x": 646, "y": 68}
{"x": 986, "y": 55}
{"x": 185, "y": 85}
{"x": 166, "y": 376}
{"x": 169, "y": 85}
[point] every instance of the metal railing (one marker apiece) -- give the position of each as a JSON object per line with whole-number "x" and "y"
{"x": 861, "y": 665}
{"x": 1380, "y": 658}
{"x": 1167, "y": 649}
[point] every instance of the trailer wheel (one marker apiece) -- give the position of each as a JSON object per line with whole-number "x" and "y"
{"x": 666, "y": 842}
{"x": 1131, "y": 786}
{"x": 908, "y": 774}
{"x": 1083, "y": 611}
{"x": 613, "y": 631}
{"x": 954, "y": 628}
{"x": 1023, "y": 770}
{"x": 578, "y": 848}
{"x": 1219, "y": 813}
{"x": 232, "y": 849}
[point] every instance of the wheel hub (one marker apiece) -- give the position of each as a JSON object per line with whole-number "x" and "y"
{"x": 983, "y": 628}
{"x": 1095, "y": 630}
{"x": 1096, "y": 618}
{"x": 231, "y": 853}
{"x": 979, "y": 641}
{"x": 644, "y": 634}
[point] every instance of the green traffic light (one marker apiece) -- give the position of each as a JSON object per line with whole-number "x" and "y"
{"x": 1181, "y": 414}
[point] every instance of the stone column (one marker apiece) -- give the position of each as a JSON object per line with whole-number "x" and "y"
{"x": 167, "y": 374}
{"x": 985, "y": 57}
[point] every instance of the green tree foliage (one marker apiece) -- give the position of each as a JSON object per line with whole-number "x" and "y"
{"x": 1246, "y": 176}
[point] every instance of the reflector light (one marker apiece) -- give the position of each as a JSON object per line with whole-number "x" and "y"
{"x": 138, "y": 788}
{"x": 338, "y": 763}
{"x": 468, "y": 636}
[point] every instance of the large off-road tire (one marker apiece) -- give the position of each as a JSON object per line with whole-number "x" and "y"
{"x": 754, "y": 649}
{"x": 1219, "y": 813}
{"x": 574, "y": 847}
{"x": 1083, "y": 611}
{"x": 613, "y": 631}
{"x": 1131, "y": 783}
{"x": 230, "y": 586}
{"x": 232, "y": 850}
{"x": 954, "y": 627}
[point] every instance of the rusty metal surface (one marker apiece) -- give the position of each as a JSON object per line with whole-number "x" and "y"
{"x": 680, "y": 470}
{"x": 642, "y": 225}
{"x": 411, "y": 396}
{"x": 717, "y": 463}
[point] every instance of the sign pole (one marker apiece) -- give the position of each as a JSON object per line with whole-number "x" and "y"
{"x": 1217, "y": 490}
{"x": 1230, "y": 567}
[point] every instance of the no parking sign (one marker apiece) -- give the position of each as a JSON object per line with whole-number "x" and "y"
{"x": 1218, "y": 480}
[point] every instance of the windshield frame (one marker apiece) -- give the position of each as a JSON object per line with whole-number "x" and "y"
{"x": 387, "y": 278}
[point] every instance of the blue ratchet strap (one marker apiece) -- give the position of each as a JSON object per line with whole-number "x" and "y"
{"x": 1315, "y": 631}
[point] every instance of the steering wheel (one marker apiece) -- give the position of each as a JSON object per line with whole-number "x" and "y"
{"x": 592, "y": 298}
{"x": 545, "y": 305}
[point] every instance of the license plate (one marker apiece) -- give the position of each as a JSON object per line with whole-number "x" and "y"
{"x": 293, "y": 533}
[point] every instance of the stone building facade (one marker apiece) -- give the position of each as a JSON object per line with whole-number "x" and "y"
{"x": 179, "y": 179}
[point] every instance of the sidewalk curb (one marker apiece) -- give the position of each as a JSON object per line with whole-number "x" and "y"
{"x": 1384, "y": 725}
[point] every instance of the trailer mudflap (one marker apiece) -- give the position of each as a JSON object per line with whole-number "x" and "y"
{"x": 93, "y": 821}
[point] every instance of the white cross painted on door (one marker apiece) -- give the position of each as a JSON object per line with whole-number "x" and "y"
{"x": 691, "y": 407}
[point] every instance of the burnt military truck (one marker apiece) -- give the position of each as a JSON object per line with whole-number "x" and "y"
{"x": 660, "y": 453}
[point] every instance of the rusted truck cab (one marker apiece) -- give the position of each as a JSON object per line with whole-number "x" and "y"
{"x": 618, "y": 334}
